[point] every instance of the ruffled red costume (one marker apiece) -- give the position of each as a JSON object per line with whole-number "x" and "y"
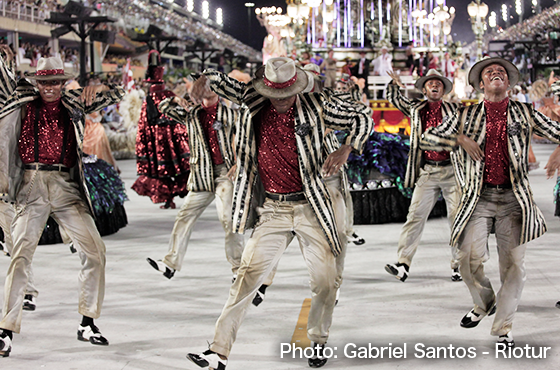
{"x": 162, "y": 151}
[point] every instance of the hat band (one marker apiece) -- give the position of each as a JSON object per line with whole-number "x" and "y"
{"x": 49, "y": 72}
{"x": 280, "y": 85}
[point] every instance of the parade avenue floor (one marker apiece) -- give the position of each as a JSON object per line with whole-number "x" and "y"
{"x": 152, "y": 322}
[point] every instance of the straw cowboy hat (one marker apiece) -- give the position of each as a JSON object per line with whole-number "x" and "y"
{"x": 49, "y": 69}
{"x": 476, "y": 70}
{"x": 280, "y": 78}
{"x": 434, "y": 75}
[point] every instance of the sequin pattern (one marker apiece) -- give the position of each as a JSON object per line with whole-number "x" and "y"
{"x": 162, "y": 152}
{"x": 50, "y": 136}
{"x": 432, "y": 117}
{"x": 496, "y": 156}
{"x": 208, "y": 118}
{"x": 277, "y": 151}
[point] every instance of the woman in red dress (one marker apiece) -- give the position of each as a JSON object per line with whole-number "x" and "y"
{"x": 162, "y": 153}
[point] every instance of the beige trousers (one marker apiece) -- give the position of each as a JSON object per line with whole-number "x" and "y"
{"x": 45, "y": 193}
{"x": 195, "y": 203}
{"x": 432, "y": 180}
{"x": 501, "y": 208}
{"x": 344, "y": 215}
{"x": 6, "y": 218}
{"x": 279, "y": 223}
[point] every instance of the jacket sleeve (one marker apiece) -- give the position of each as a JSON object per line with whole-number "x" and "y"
{"x": 7, "y": 81}
{"x": 395, "y": 97}
{"x": 545, "y": 126}
{"x": 226, "y": 87}
{"x": 444, "y": 136}
{"x": 104, "y": 99}
{"x": 173, "y": 110}
{"x": 355, "y": 119}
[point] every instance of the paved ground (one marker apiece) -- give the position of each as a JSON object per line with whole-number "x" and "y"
{"x": 153, "y": 322}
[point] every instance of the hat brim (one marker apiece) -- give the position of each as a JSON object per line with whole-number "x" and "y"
{"x": 447, "y": 84}
{"x": 476, "y": 70}
{"x": 270, "y": 92}
{"x": 64, "y": 77}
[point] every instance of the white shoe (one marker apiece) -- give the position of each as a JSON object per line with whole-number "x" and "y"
{"x": 91, "y": 333}
{"x": 5, "y": 345}
{"x": 209, "y": 359}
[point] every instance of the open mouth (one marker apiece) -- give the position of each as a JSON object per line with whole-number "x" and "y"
{"x": 497, "y": 78}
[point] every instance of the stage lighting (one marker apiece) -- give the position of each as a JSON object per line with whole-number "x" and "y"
{"x": 104, "y": 36}
{"x": 60, "y": 31}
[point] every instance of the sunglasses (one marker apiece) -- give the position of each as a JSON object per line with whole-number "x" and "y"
{"x": 50, "y": 83}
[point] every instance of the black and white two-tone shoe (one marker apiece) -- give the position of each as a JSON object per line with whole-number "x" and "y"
{"x": 5, "y": 345}
{"x": 472, "y": 319}
{"x": 167, "y": 271}
{"x": 398, "y": 270}
{"x": 209, "y": 359}
{"x": 506, "y": 340}
{"x": 29, "y": 303}
{"x": 318, "y": 359}
{"x": 91, "y": 333}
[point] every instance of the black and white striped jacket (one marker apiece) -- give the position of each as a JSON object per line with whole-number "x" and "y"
{"x": 13, "y": 98}
{"x": 412, "y": 109}
{"x": 313, "y": 112}
{"x": 521, "y": 121}
{"x": 202, "y": 170}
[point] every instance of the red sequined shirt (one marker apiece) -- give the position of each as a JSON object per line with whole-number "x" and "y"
{"x": 496, "y": 156}
{"x": 207, "y": 118}
{"x": 277, "y": 151}
{"x": 53, "y": 118}
{"x": 432, "y": 117}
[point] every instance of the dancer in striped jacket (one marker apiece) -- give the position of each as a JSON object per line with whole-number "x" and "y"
{"x": 491, "y": 141}
{"x": 280, "y": 149}
{"x": 42, "y": 132}
{"x": 210, "y": 127}
{"x": 429, "y": 172}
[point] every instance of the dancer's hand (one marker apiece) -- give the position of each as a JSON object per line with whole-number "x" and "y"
{"x": 336, "y": 159}
{"x": 471, "y": 147}
{"x": 7, "y": 52}
{"x": 552, "y": 79}
{"x": 396, "y": 79}
{"x": 90, "y": 93}
{"x": 231, "y": 172}
{"x": 553, "y": 163}
{"x": 182, "y": 102}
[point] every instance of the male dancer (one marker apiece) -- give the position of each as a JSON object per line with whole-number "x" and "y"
{"x": 41, "y": 167}
{"x": 280, "y": 148}
{"x": 428, "y": 172}
{"x": 491, "y": 140}
{"x": 337, "y": 183}
{"x": 210, "y": 127}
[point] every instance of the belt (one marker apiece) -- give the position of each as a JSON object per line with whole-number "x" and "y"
{"x": 46, "y": 167}
{"x": 499, "y": 187}
{"x": 445, "y": 162}
{"x": 291, "y": 197}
